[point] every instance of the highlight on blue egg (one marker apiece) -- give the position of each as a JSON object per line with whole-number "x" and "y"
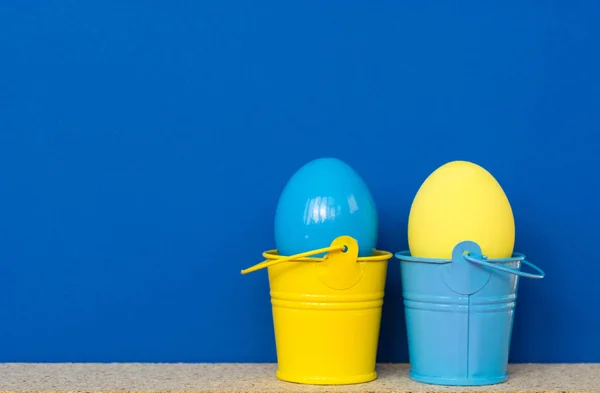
{"x": 323, "y": 200}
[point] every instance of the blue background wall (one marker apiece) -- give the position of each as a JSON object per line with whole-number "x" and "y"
{"x": 143, "y": 147}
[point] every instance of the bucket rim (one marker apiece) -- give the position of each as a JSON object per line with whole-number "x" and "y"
{"x": 378, "y": 256}
{"x": 404, "y": 256}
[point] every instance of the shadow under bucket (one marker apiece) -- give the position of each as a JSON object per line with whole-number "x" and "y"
{"x": 327, "y": 313}
{"x": 459, "y": 315}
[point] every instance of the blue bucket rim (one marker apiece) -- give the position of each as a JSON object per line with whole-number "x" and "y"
{"x": 404, "y": 256}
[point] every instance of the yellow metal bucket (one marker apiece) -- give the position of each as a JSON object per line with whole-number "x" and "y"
{"x": 327, "y": 312}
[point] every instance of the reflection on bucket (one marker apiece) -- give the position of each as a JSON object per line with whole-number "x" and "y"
{"x": 327, "y": 312}
{"x": 459, "y": 315}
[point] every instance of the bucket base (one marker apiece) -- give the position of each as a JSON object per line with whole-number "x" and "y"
{"x": 456, "y": 381}
{"x": 345, "y": 380}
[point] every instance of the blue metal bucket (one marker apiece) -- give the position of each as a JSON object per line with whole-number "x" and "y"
{"x": 459, "y": 315}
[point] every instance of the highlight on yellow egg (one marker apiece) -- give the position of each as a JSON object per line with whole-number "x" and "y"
{"x": 460, "y": 201}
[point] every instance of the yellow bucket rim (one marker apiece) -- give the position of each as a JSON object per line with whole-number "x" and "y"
{"x": 273, "y": 257}
{"x": 378, "y": 256}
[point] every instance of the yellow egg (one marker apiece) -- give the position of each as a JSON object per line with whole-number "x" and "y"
{"x": 460, "y": 201}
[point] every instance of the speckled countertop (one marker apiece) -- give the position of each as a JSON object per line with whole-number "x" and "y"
{"x": 257, "y": 378}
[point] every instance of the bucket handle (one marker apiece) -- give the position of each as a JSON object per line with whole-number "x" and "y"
{"x": 344, "y": 244}
{"x": 481, "y": 261}
{"x": 295, "y": 258}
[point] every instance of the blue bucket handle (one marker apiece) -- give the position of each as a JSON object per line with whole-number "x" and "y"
{"x": 481, "y": 261}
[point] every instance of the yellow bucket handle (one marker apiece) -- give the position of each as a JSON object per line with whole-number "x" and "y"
{"x": 297, "y": 257}
{"x": 303, "y": 257}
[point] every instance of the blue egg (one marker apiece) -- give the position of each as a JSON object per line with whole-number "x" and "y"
{"x": 323, "y": 200}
